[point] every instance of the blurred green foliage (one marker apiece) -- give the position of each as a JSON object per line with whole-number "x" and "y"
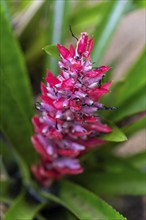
{"x": 26, "y": 28}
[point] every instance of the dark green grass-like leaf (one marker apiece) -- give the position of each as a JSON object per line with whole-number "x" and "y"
{"x": 22, "y": 209}
{"x": 82, "y": 203}
{"x": 10, "y": 156}
{"x": 15, "y": 125}
{"x": 121, "y": 183}
{"x": 14, "y": 70}
{"x": 16, "y": 98}
{"x": 6, "y": 152}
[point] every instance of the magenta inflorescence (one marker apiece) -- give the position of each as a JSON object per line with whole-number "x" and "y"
{"x": 68, "y": 125}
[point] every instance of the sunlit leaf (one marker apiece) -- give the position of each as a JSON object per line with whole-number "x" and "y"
{"x": 52, "y": 51}
{"x": 116, "y": 135}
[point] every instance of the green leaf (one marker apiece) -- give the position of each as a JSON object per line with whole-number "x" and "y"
{"x": 22, "y": 209}
{"x": 57, "y": 15}
{"x": 6, "y": 152}
{"x": 25, "y": 19}
{"x": 66, "y": 21}
{"x": 4, "y": 187}
{"x": 91, "y": 14}
{"x": 52, "y": 51}
{"x": 132, "y": 83}
{"x": 129, "y": 99}
{"x": 16, "y": 98}
{"x": 138, "y": 160}
{"x": 122, "y": 183}
{"x": 116, "y": 164}
{"x": 82, "y": 203}
{"x": 139, "y": 3}
{"x": 14, "y": 69}
{"x": 132, "y": 128}
{"x": 15, "y": 126}
{"x": 135, "y": 103}
{"x": 103, "y": 159}
{"x": 132, "y": 119}
{"x": 21, "y": 6}
{"x": 10, "y": 155}
{"x": 111, "y": 17}
{"x": 116, "y": 135}
{"x": 128, "y": 94}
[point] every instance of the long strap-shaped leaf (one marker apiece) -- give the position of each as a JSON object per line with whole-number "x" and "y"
{"x": 104, "y": 32}
{"x": 12, "y": 63}
{"x": 14, "y": 124}
{"x": 122, "y": 183}
{"x": 9, "y": 154}
{"x": 129, "y": 93}
{"x": 138, "y": 125}
{"x": 16, "y": 97}
{"x": 135, "y": 103}
{"x": 132, "y": 82}
{"x": 21, "y": 209}
{"x": 57, "y": 25}
{"x": 83, "y": 204}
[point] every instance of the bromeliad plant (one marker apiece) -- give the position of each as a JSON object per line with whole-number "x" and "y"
{"x": 71, "y": 120}
{"x": 69, "y": 125}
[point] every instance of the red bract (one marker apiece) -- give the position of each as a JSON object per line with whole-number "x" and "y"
{"x": 69, "y": 125}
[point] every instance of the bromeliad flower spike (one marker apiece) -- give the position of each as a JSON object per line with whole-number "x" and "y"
{"x": 69, "y": 125}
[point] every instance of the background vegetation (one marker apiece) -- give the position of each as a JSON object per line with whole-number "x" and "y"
{"x": 110, "y": 171}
